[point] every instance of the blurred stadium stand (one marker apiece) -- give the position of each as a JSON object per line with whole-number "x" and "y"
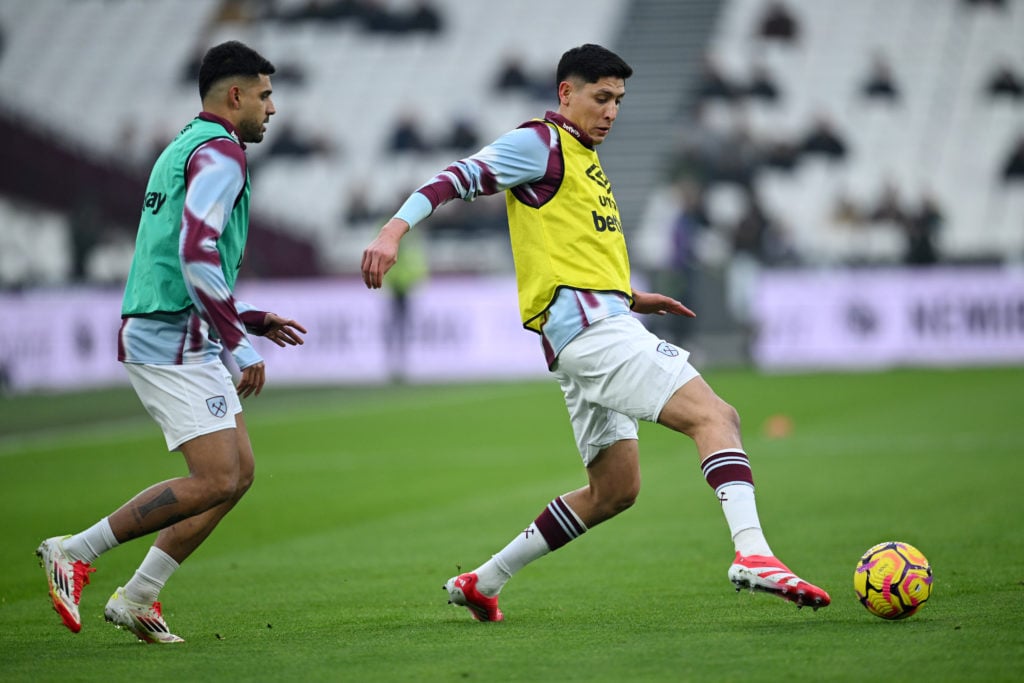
{"x": 89, "y": 89}
{"x": 942, "y": 135}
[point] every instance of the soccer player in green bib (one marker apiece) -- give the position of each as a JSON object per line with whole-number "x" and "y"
{"x": 572, "y": 273}
{"x": 178, "y": 315}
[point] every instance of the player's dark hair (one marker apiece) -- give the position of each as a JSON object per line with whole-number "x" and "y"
{"x": 230, "y": 59}
{"x": 591, "y": 63}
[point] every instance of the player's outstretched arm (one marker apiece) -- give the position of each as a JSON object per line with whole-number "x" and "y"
{"x": 659, "y": 304}
{"x": 383, "y": 252}
{"x": 283, "y": 331}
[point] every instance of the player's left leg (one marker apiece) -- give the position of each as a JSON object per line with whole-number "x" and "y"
{"x": 183, "y": 537}
{"x": 694, "y": 409}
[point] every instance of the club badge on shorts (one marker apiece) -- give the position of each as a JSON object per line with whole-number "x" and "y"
{"x": 668, "y": 350}
{"x": 217, "y": 405}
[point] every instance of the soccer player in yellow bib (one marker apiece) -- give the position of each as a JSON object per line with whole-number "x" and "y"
{"x": 572, "y": 273}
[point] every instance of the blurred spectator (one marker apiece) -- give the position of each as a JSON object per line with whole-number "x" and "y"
{"x": 289, "y": 72}
{"x": 779, "y": 155}
{"x": 190, "y": 71}
{"x": 407, "y": 137}
{"x": 319, "y": 10}
{"x": 1013, "y": 169}
{"x": 359, "y": 208}
{"x": 690, "y": 221}
{"x": 845, "y": 211}
{"x": 756, "y": 242}
{"x": 421, "y": 17}
{"x": 374, "y": 16}
{"x": 713, "y": 83}
{"x": 287, "y": 142}
{"x": 761, "y": 85}
{"x": 1005, "y": 83}
{"x": 732, "y": 156}
{"x": 513, "y": 76}
{"x": 336, "y": 10}
{"x": 237, "y": 11}
{"x": 997, "y": 4}
{"x": 750, "y": 233}
{"x": 463, "y": 137}
{"x": 85, "y": 223}
{"x": 921, "y": 227}
{"x": 778, "y": 23}
{"x": 678, "y": 275}
{"x": 888, "y": 208}
{"x": 879, "y": 83}
{"x": 405, "y": 276}
{"x": 715, "y": 149}
{"x": 823, "y": 140}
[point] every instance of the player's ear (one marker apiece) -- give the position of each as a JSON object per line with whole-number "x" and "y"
{"x": 564, "y": 91}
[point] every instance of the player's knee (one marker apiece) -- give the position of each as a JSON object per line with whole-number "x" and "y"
{"x": 623, "y": 498}
{"x": 624, "y": 503}
{"x": 246, "y": 476}
{"x": 222, "y": 487}
{"x": 244, "y": 483}
{"x": 729, "y": 415}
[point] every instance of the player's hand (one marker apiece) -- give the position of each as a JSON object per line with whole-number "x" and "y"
{"x": 383, "y": 252}
{"x": 253, "y": 378}
{"x": 659, "y": 304}
{"x": 283, "y": 331}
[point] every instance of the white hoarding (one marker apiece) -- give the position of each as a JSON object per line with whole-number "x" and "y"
{"x": 459, "y": 329}
{"x": 889, "y": 317}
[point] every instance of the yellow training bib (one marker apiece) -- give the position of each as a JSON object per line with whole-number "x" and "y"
{"x": 572, "y": 240}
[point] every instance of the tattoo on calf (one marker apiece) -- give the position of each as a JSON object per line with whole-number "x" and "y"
{"x": 165, "y": 497}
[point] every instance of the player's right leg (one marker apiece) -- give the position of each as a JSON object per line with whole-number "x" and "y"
{"x": 145, "y": 621}
{"x": 462, "y": 591}
{"x": 770, "y": 575}
{"x": 224, "y": 461}
{"x": 197, "y": 408}
{"x": 694, "y": 409}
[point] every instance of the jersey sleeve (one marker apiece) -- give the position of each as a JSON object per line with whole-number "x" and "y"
{"x": 519, "y": 157}
{"x": 214, "y": 178}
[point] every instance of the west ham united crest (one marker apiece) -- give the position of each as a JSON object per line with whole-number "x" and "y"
{"x": 668, "y": 350}
{"x": 217, "y": 405}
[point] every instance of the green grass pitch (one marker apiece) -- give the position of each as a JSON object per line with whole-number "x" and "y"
{"x": 368, "y": 499}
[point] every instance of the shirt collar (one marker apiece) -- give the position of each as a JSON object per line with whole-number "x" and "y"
{"x": 570, "y": 128}
{"x": 228, "y": 126}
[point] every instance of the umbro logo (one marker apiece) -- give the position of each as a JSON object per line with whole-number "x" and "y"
{"x": 597, "y": 175}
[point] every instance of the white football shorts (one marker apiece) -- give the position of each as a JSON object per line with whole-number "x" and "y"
{"x": 186, "y": 400}
{"x": 613, "y": 374}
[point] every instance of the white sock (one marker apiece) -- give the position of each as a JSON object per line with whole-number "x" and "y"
{"x": 91, "y": 543}
{"x": 740, "y": 510}
{"x": 149, "y": 579}
{"x": 524, "y": 549}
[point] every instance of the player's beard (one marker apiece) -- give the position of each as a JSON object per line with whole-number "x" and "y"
{"x": 251, "y": 130}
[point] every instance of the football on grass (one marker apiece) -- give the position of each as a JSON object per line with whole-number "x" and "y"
{"x": 893, "y": 580}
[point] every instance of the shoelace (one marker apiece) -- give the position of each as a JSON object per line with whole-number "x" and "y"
{"x": 81, "y": 578}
